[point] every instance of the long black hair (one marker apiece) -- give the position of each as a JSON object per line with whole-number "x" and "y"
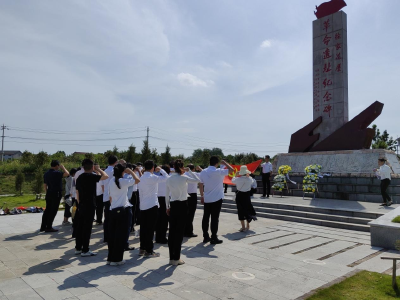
{"x": 118, "y": 171}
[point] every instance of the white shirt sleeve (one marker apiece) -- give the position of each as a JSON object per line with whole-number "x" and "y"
{"x": 224, "y": 172}
{"x": 162, "y": 178}
{"x": 193, "y": 179}
{"x": 167, "y": 193}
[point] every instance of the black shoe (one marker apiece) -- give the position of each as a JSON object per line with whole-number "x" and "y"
{"x": 191, "y": 235}
{"x": 216, "y": 241}
{"x": 129, "y": 248}
{"x": 390, "y": 203}
{"x": 162, "y": 242}
{"x": 383, "y": 204}
{"x": 206, "y": 240}
{"x": 41, "y": 230}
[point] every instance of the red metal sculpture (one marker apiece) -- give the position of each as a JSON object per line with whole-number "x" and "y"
{"x": 303, "y": 139}
{"x": 328, "y": 8}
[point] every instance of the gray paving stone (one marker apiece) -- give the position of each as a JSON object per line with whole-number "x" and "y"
{"x": 195, "y": 271}
{"x": 259, "y": 294}
{"x": 24, "y": 295}
{"x": 38, "y": 280}
{"x": 190, "y": 293}
{"x": 283, "y": 240}
{"x": 326, "y": 249}
{"x": 121, "y": 292}
{"x": 14, "y": 285}
{"x": 53, "y": 292}
{"x": 98, "y": 295}
{"x": 353, "y": 255}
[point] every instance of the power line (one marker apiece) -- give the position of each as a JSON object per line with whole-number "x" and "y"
{"x": 72, "y": 132}
{"x": 75, "y": 133}
{"x": 85, "y": 140}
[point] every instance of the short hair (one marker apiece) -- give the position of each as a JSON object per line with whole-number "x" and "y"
{"x": 382, "y": 160}
{"x": 133, "y": 166}
{"x": 54, "y": 163}
{"x": 129, "y": 166}
{"x": 148, "y": 165}
{"x": 139, "y": 164}
{"x": 87, "y": 164}
{"x": 166, "y": 168}
{"x": 191, "y": 166}
{"x": 72, "y": 172}
{"x": 214, "y": 160}
{"x": 267, "y": 156}
{"x": 171, "y": 164}
{"x": 112, "y": 159}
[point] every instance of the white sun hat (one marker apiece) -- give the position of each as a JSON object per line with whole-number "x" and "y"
{"x": 243, "y": 171}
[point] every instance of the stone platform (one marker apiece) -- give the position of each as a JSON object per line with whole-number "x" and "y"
{"x": 350, "y": 162}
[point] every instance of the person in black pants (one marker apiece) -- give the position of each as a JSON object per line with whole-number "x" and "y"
{"x": 162, "y": 220}
{"x": 148, "y": 186}
{"x": 384, "y": 174}
{"x": 266, "y": 172}
{"x": 99, "y": 204}
{"x": 192, "y": 205}
{"x": 86, "y": 197}
{"x": 212, "y": 193}
{"x": 177, "y": 209}
{"x": 53, "y": 189}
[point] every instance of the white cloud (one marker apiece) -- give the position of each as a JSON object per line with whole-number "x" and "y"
{"x": 224, "y": 64}
{"x": 266, "y": 44}
{"x": 188, "y": 79}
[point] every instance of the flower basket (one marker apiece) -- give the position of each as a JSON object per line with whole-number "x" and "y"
{"x": 285, "y": 169}
{"x": 279, "y": 183}
{"x": 310, "y": 181}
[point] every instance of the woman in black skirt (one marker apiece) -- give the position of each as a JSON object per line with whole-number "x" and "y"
{"x": 245, "y": 209}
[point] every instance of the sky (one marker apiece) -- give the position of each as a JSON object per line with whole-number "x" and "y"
{"x": 87, "y": 75}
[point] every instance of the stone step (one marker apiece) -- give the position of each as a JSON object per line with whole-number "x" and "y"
{"x": 290, "y": 218}
{"x": 342, "y": 180}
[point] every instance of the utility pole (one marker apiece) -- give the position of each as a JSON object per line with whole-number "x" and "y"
{"x": 3, "y": 127}
{"x": 147, "y": 136}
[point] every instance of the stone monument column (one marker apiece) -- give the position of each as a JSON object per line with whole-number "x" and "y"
{"x": 330, "y": 74}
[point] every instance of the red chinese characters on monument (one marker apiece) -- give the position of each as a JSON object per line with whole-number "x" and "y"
{"x": 327, "y": 68}
{"x": 327, "y": 97}
{"x": 338, "y": 68}
{"x": 327, "y": 53}
{"x": 326, "y": 25}
{"x": 326, "y": 40}
{"x": 327, "y": 82}
{"x": 328, "y": 109}
{"x": 316, "y": 91}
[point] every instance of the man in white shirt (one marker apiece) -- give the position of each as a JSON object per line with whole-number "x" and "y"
{"x": 192, "y": 204}
{"x": 266, "y": 172}
{"x": 112, "y": 161}
{"x": 148, "y": 187}
{"x": 212, "y": 194}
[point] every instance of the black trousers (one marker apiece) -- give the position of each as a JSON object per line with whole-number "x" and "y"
{"x": 138, "y": 211}
{"x": 128, "y": 217}
{"x": 107, "y": 205}
{"x": 384, "y": 185}
{"x": 266, "y": 184}
{"x": 84, "y": 228}
{"x": 177, "y": 219}
{"x": 148, "y": 220}
{"x": 117, "y": 230}
{"x": 244, "y": 206}
{"x": 192, "y": 206}
{"x": 211, "y": 209}
{"x": 53, "y": 200}
{"x": 75, "y": 218}
{"x": 162, "y": 221}
{"x": 135, "y": 208}
{"x": 67, "y": 209}
{"x": 99, "y": 209}
{"x": 225, "y": 188}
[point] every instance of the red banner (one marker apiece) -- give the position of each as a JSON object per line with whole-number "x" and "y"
{"x": 251, "y": 167}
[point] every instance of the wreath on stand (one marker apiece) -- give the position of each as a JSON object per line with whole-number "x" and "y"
{"x": 310, "y": 181}
{"x": 280, "y": 179}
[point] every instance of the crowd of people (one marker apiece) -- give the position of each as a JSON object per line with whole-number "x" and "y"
{"x": 158, "y": 199}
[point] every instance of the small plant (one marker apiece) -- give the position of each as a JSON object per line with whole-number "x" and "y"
{"x": 396, "y": 219}
{"x": 19, "y": 181}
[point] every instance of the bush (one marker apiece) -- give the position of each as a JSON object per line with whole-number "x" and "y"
{"x": 37, "y": 185}
{"x": 19, "y": 181}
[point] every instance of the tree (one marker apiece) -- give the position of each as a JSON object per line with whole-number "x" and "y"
{"x": 131, "y": 154}
{"x": 382, "y": 141}
{"x": 37, "y": 186}
{"x": 217, "y": 152}
{"x": 166, "y": 157}
{"x": 59, "y": 155}
{"x": 146, "y": 153}
{"x": 205, "y": 157}
{"x": 41, "y": 158}
{"x": 89, "y": 155}
{"x": 27, "y": 157}
{"x": 154, "y": 155}
{"x": 115, "y": 151}
{"x": 19, "y": 181}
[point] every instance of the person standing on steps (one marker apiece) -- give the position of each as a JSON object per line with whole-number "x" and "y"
{"x": 162, "y": 219}
{"x": 212, "y": 194}
{"x": 177, "y": 209}
{"x": 53, "y": 189}
{"x": 245, "y": 209}
{"x": 86, "y": 198}
{"x": 383, "y": 174}
{"x": 266, "y": 172}
{"x": 192, "y": 202}
{"x": 148, "y": 187}
{"x": 112, "y": 161}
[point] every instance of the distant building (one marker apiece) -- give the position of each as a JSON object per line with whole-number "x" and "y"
{"x": 11, "y": 154}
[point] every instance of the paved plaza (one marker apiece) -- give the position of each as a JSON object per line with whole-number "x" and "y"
{"x": 276, "y": 260}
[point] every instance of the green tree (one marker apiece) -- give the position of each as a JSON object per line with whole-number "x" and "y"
{"x": 205, "y": 157}
{"x": 27, "y": 157}
{"x": 154, "y": 155}
{"x": 41, "y": 159}
{"x": 217, "y": 152}
{"x": 115, "y": 151}
{"x": 59, "y": 155}
{"x": 145, "y": 153}
{"x": 131, "y": 154}
{"x": 382, "y": 141}
{"x": 89, "y": 155}
{"x": 166, "y": 157}
{"x": 37, "y": 185}
{"x": 19, "y": 181}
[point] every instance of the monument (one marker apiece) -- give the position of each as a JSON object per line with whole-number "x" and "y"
{"x": 331, "y": 140}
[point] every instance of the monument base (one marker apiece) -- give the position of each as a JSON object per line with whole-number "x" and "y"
{"x": 357, "y": 163}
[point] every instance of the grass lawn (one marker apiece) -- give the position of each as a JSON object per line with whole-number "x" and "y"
{"x": 25, "y": 200}
{"x": 362, "y": 286}
{"x": 396, "y": 220}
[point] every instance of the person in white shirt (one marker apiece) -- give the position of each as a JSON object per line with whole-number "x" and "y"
{"x": 120, "y": 214}
{"x": 177, "y": 209}
{"x": 245, "y": 209}
{"x": 134, "y": 199}
{"x": 148, "y": 187}
{"x": 192, "y": 203}
{"x": 384, "y": 174}
{"x": 99, "y": 204}
{"x": 162, "y": 219}
{"x": 112, "y": 161}
{"x": 266, "y": 172}
{"x": 212, "y": 194}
